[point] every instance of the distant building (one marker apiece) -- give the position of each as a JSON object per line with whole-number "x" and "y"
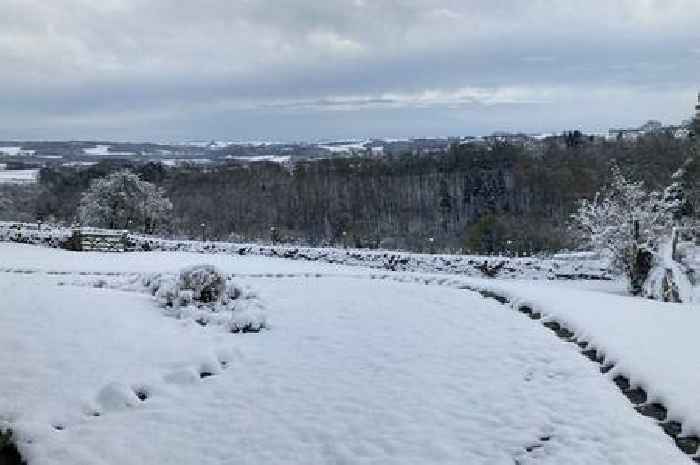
{"x": 508, "y": 138}
{"x": 624, "y": 134}
{"x": 679, "y": 132}
{"x": 650, "y": 127}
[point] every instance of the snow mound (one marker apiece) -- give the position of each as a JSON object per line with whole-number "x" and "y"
{"x": 204, "y": 294}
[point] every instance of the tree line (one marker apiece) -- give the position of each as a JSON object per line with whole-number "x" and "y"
{"x": 477, "y": 198}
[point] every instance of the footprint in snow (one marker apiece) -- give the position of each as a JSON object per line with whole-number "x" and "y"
{"x": 533, "y": 448}
{"x": 120, "y": 396}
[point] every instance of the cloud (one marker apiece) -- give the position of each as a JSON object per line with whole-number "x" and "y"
{"x": 78, "y": 67}
{"x": 429, "y": 98}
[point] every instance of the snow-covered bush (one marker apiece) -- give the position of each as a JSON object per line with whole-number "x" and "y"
{"x": 205, "y": 281}
{"x": 204, "y": 294}
{"x": 622, "y": 215}
{"x": 631, "y": 227}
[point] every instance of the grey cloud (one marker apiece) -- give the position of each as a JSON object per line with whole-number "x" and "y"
{"x": 139, "y": 67}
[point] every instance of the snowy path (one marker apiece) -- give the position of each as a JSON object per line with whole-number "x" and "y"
{"x": 651, "y": 344}
{"x": 352, "y": 371}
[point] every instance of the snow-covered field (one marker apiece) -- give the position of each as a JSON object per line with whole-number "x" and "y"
{"x": 353, "y": 369}
{"x": 104, "y": 151}
{"x": 15, "y": 151}
{"x": 181, "y": 161}
{"x": 18, "y": 176}
{"x": 258, "y": 158}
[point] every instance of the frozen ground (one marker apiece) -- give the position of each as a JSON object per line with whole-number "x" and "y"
{"x": 352, "y": 370}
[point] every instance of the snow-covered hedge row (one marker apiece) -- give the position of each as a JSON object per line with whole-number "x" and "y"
{"x": 561, "y": 266}
{"x": 32, "y": 233}
{"x": 568, "y": 266}
{"x": 204, "y": 294}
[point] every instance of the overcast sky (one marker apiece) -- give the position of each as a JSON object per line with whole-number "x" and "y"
{"x": 170, "y": 70}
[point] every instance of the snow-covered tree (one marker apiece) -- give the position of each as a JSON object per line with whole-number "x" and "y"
{"x": 626, "y": 223}
{"x": 676, "y": 194}
{"x": 123, "y": 200}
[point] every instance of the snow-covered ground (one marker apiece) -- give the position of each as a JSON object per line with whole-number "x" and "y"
{"x": 258, "y": 158}
{"x": 650, "y": 342}
{"x": 183, "y": 161}
{"x": 80, "y": 163}
{"x": 16, "y": 151}
{"x": 351, "y": 370}
{"x": 345, "y": 147}
{"x": 104, "y": 151}
{"x": 18, "y": 176}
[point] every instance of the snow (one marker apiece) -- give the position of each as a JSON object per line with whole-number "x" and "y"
{"x": 18, "y": 176}
{"x": 653, "y": 288}
{"x": 16, "y": 151}
{"x": 180, "y": 161}
{"x": 345, "y": 148}
{"x": 40, "y": 259}
{"x": 578, "y": 265}
{"x": 10, "y": 151}
{"x": 352, "y": 370}
{"x": 693, "y": 257}
{"x": 79, "y": 163}
{"x": 220, "y": 144}
{"x": 652, "y": 343}
{"x": 259, "y": 158}
{"x": 224, "y": 144}
{"x": 469, "y": 265}
{"x": 103, "y": 151}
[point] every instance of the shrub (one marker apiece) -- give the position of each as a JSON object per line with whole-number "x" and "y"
{"x": 206, "y": 282}
{"x": 203, "y": 294}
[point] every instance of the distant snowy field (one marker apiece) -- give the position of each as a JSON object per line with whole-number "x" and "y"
{"x": 15, "y": 151}
{"x": 104, "y": 151}
{"x": 356, "y": 368}
{"x": 18, "y": 176}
